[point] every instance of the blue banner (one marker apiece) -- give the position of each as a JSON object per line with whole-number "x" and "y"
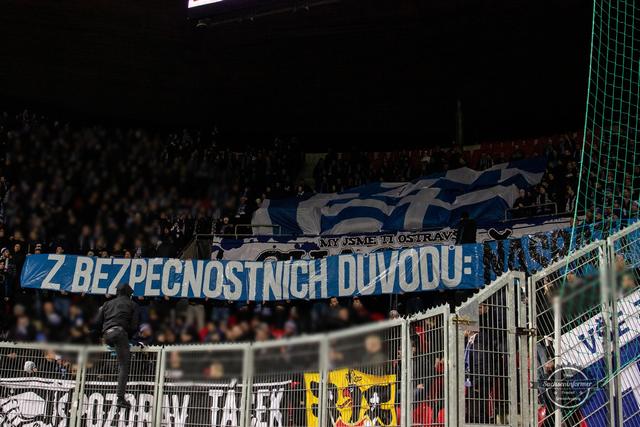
{"x": 424, "y": 268}
{"x": 389, "y": 272}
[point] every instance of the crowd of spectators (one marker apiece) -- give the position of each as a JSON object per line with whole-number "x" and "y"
{"x": 336, "y": 172}
{"x": 58, "y": 317}
{"x": 92, "y": 189}
{"x": 556, "y": 193}
{"x": 106, "y": 192}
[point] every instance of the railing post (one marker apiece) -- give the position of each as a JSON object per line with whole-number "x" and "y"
{"x": 324, "y": 379}
{"x": 512, "y": 365}
{"x": 247, "y": 387}
{"x": 457, "y": 374}
{"x": 557, "y": 353}
{"x": 158, "y": 389}
{"x": 533, "y": 359}
{"x": 451, "y": 375}
{"x": 523, "y": 337}
{"x": 78, "y": 391}
{"x": 607, "y": 314}
{"x": 405, "y": 365}
{"x": 616, "y": 385}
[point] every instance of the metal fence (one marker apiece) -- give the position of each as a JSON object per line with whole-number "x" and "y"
{"x": 564, "y": 297}
{"x": 393, "y": 373}
{"x": 97, "y": 399}
{"x": 203, "y": 385}
{"x": 585, "y": 310}
{"x": 354, "y": 377}
{"x": 364, "y": 376}
{"x": 559, "y": 349}
{"x": 624, "y": 274}
{"x": 39, "y": 384}
{"x": 286, "y": 379}
{"x": 484, "y": 330}
{"x": 429, "y": 369}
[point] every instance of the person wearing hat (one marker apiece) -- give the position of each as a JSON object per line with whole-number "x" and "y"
{"x": 118, "y": 320}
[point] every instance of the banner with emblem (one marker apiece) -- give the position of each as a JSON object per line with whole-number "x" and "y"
{"x": 356, "y": 398}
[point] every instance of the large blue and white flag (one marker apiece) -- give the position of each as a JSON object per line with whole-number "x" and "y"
{"x": 433, "y": 201}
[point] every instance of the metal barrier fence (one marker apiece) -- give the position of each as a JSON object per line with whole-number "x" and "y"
{"x": 394, "y": 373}
{"x": 364, "y": 376}
{"x": 561, "y": 349}
{"x": 286, "y": 379}
{"x": 585, "y": 310}
{"x": 565, "y": 296}
{"x": 484, "y": 331}
{"x": 97, "y": 402}
{"x": 39, "y": 384}
{"x": 203, "y": 385}
{"x": 428, "y": 391}
{"x": 353, "y": 377}
{"x": 624, "y": 266}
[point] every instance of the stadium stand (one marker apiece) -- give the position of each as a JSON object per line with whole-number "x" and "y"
{"x": 160, "y": 204}
{"x": 163, "y": 185}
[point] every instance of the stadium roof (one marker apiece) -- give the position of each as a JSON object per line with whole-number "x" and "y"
{"x": 360, "y": 66}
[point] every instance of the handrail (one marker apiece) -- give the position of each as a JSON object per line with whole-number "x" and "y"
{"x": 252, "y": 227}
{"x": 235, "y": 234}
{"x": 507, "y": 217}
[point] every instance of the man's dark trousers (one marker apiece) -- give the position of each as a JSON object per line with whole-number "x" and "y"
{"x": 117, "y": 338}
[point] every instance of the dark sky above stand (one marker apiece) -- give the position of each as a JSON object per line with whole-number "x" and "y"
{"x": 360, "y": 71}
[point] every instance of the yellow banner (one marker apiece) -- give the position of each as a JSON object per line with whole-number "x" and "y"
{"x": 354, "y": 399}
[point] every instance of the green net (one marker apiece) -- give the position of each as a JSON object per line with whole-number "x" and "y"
{"x": 583, "y": 294}
{"x": 609, "y": 179}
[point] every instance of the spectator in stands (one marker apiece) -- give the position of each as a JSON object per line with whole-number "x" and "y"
{"x": 23, "y": 330}
{"x": 542, "y": 200}
{"x": 521, "y": 204}
{"x": 467, "y": 230}
{"x": 223, "y": 226}
{"x": 10, "y": 270}
{"x": 373, "y": 356}
{"x": 485, "y": 162}
{"x": 339, "y": 318}
{"x": 569, "y": 201}
{"x": 5, "y": 284}
{"x": 517, "y": 154}
{"x": 166, "y": 248}
{"x": 359, "y": 314}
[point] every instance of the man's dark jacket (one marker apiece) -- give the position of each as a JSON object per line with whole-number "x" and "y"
{"x": 120, "y": 311}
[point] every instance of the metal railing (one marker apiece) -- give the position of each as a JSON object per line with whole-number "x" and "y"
{"x": 429, "y": 352}
{"x": 562, "y": 296}
{"x": 484, "y": 340}
{"x": 247, "y": 230}
{"x": 392, "y": 373}
{"x": 401, "y": 372}
{"x": 531, "y": 211}
{"x": 199, "y": 247}
{"x": 585, "y": 310}
{"x": 499, "y": 359}
{"x": 624, "y": 274}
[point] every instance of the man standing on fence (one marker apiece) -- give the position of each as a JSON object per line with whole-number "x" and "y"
{"x": 118, "y": 321}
